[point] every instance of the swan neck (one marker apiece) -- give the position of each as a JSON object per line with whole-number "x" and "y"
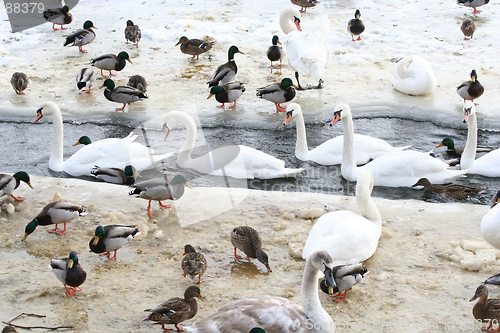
{"x": 301, "y": 149}
{"x": 287, "y": 24}
{"x": 469, "y": 153}
{"x": 310, "y": 300}
{"x": 367, "y": 208}
{"x": 184, "y": 155}
{"x": 348, "y": 166}
{"x": 56, "y": 155}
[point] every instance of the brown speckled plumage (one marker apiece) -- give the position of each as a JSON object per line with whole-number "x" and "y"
{"x": 19, "y": 82}
{"x": 247, "y": 239}
{"x": 468, "y": 28}
{"x": 176, "y": 309}
{"x": 194, "y": 47}
{"x": 132, "y": 33}
{"x": 485, "y": 308}
{"x": 453, "y": 190}
{"x": 138, "y": 82}
{"x": 193, "y": 264}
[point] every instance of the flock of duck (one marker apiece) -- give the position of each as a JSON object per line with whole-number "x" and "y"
{"x": 338, "y": 243}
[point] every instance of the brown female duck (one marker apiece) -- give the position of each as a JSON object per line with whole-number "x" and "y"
{"x": 453, "y": 190}
{"x": 132, "y": 33}
{"x": 176, "y": 309}
{"x": 247, "y": 239}
{"x": 194, "y": 47}
{"x": 486, "y": 309}
{"x": 19, "y": 82}
{"x": 193, "y": 264}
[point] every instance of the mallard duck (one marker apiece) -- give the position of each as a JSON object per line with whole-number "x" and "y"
{"x": 276, "y": 314}
{"x": 229, "y": 92}
{"x": 121, "y": 94}
{"x": 193, "y": 264}
{"x": 176, "y": 309}
{"x": 69, "y": 272}
{"x": 307, "y": 51}
{"x": 275, "y": 52}
{"x": 485, "y": 309}
{"x": 112, "y": 238}
{"x": 349, "y": 238}
{"x": 453, "y": 151}
{"x": 345, "y": 277}
{"x": 472, "y": 89}
{"x": 59, "y": 16}
{"x": 304, "y": 4}
{"x": 486, "y": 165}
{"x": 225, "y": 72}
{"x": 81, "y": 37}
{"x": 355, "y": 26}
{"x": 400, "y": 168}
{"x": 330, "y": 151}
{"x": 138, "y": 82}
{"x": 278, "y": 93}
{"x": 19, "y": 82}
{"x": 84, "y": 79}
{"x": 414, "y": 76}
{"x": 83, "y": 140}
{"x": 194, "y": 47}
{"x": 111, "y": 62}
{"x": 468, "y": 28}
{"x": 109, "y": 153}
{"x": 11, "y": 329}
{"x": 474, "y": 4}
{"x": 453, "y": 190}
{"x": 235, "y": 161}
{"x": 9, "y": 183}
{"x": 132, "y": 33}
{"x": 160, "y": 189}
{"x": 125, "y": 176}
{"x": 247, "y": 239}
{"x": 55, "y": 212}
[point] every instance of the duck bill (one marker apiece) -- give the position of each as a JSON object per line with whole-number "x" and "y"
{"x": 129, "y": 61}
{"x": 336, "y": 118}
{"x": 25, "y": 236}
{"x": 268, "y": 268}
{"x": 202, "y": 298}
{"x": 29, "y": 184}
{"x": 439, "y": 145}
{"x": 210, "y": 96}
{"x": 473, "y": 298}
{"x": 70, "y": 263}
{"x": 137, "y": 174}
{"x": 102, "y": 86}
{"x": 288, "y": 118}
{"x": 76, "y": 144}
{"x": 187, "y": 184}
{"x": 96, "y": 240}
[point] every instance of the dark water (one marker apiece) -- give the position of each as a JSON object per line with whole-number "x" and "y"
{"x": 26, "y": 146}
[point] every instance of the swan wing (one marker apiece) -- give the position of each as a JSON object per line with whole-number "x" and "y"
{"x": 487, "y": 165}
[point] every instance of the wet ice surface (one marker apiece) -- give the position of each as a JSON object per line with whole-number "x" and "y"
{"x": 431, "y": 256}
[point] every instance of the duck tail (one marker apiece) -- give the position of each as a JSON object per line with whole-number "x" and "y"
{"x": 135, "y": 191}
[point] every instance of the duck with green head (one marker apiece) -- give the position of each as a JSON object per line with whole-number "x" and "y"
{"x": 228, "y": 93}
{"x": 275, "y": 52}
{"x": 69, "y": 272}
{"x": 9, "y": 183}
{"x": 454, "y": 151}
{"x": 81, "y": 37}
{"x": 55, "y": 212}
{"x": 59, "y": 16}
{"x": 225, "y": 72}
{"x": 112, "y": 238}
{"x": 111, "y": 62}
{"x": 125, "y": 176}
{"x": 278, "y": 93}
{"x": 121, "y": 94}
{"x": 472, "y": 89}
{"x": 160, "y": 189}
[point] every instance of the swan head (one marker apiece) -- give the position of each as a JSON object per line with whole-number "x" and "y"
{"x": 364, "y": 184}
{"x": 292, "y": 110}
{"x": 469, "y": 109}
{"x": 171, "y": 120}
{"x": 263, "y": 258}
{"x": 341, "y": 111}
{"x": 47, "y": 108}
{"x": 290, "y": 20}
{"x": 322, "y": 261}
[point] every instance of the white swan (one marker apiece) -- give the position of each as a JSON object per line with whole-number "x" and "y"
{"x": 106, "y": 153}
{"x": 486, "y": 165}
{"x": 330, "y": 152}
{"x": 413, "y": 75}
{"x": 348, "y": 237}
{"x": 307, "y": 51}
{"x": 236, "y": 161}
{"x": 276, "y": 314}
{"x": 402, "y": 168}
{"x": 490, "y": 223}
